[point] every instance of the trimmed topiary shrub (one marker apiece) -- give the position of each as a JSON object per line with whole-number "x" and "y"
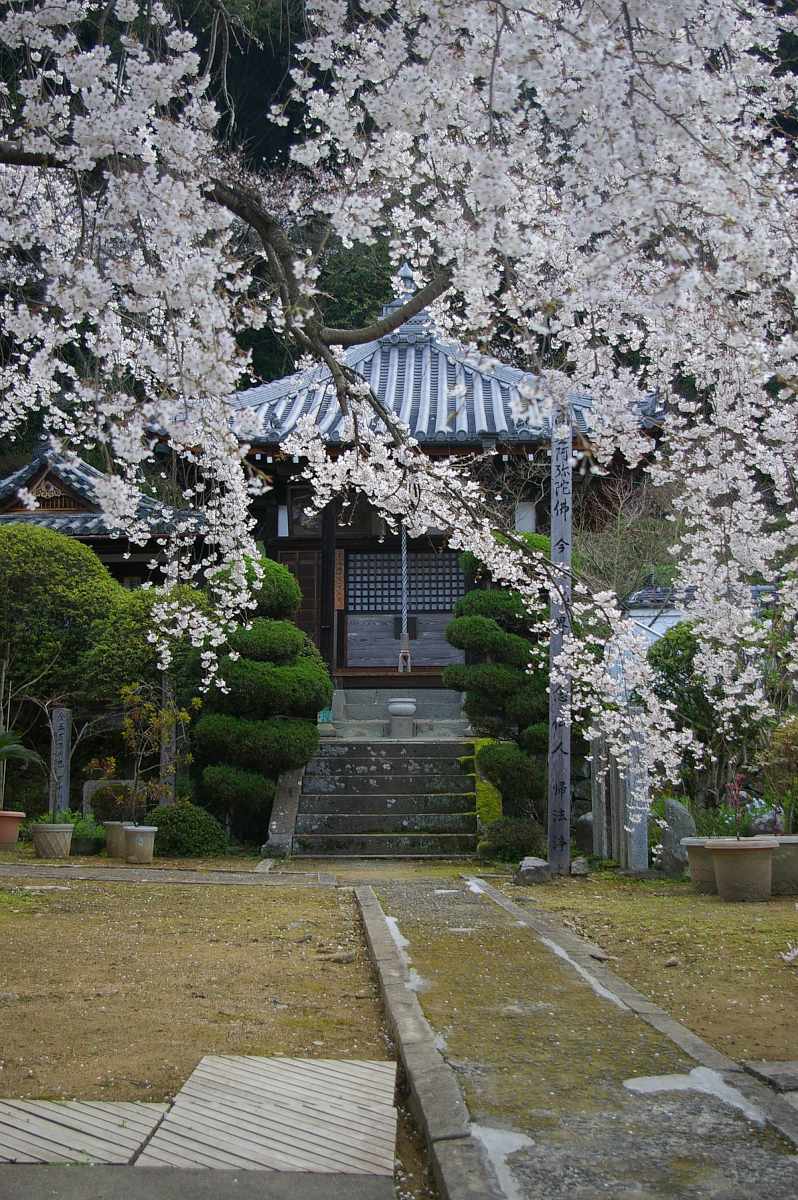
{"x": 511, "y": 839}
{"x": 276, "y": 745}
{"x": 269, "y": 641}
{"x": 242, "y": 797}
{"x": 506, "y": 694}
{"x": 185, "y": 830}
{"x": 517, "y": 777}
{"x": 266, "y": 722}
{"x": 262, "y": 689}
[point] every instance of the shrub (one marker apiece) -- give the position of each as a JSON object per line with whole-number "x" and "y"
{"x": 115, "y": 802}
{"x": 185, "y": 830}
{"x": 266, "y": 721}
{"x": 489, "y": 801}
{"x": 269, "y": 641}
{"x": 504, "y": 606}
{"x": 519, "y": 779}
{"x": 279, "y": 594}
{"x": 243, "y": 797}
{"x": 52, "y": 588}
{"x": 273, "y": 746}
{"x": 511, "y": 839}
{"x": 260, "y": 689}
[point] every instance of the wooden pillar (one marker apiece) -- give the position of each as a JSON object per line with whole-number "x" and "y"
{"x": 329, "y": 522}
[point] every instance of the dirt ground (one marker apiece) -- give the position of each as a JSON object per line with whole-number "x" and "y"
{"x": 245, "y": 861}
{"x": 114, "y": 993}
{"x": 714, "y": 966}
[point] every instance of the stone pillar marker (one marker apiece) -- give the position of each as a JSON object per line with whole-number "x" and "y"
{"x": 560, "y": 691}
{"x": 60, "y": 754}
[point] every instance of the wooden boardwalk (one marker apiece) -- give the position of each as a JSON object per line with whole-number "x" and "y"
{"x": 239, "y": 1113}
{"x": 281, "y": 1114}
{"x": 55, "y": 1131}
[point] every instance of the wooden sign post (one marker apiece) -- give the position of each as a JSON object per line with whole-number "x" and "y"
{"x": 560, "y": 610}
{"x": 60, "y": 758}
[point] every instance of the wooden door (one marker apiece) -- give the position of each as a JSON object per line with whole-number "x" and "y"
{"x": 304, "y": 566}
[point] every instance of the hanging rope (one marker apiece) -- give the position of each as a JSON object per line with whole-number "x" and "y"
{"x": 404, "y": 648}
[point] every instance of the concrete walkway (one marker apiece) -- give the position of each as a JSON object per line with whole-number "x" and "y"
{"x": 113, "y": 1183}
{"x": 571, "y": 1092}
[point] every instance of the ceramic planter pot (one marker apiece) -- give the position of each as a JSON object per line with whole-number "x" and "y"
{"x": 52, "y": 841}
{"x": 743, "y": 867}
{"x": 140, "y": 843}
{"x": 10, "y": 821}
{"x": 702, "y": 870}
{"x": 785, "y": 865}
{"x": 115, "y": 838}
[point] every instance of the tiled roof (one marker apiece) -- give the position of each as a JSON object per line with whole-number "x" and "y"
{"x": 413, "y": 372}
{"x": 81, "y": 478}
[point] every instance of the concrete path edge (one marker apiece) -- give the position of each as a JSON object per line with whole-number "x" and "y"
{"x": 779, "y": 1113}
{"x": 459, "y": 1164}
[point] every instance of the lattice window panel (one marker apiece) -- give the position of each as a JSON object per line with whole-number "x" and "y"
{"x": 374, "y": 583}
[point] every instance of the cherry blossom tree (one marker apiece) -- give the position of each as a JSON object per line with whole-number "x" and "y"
{"x": 604, "y": 185}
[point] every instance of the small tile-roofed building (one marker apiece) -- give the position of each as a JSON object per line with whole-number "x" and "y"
{"x": 66, "y": 501}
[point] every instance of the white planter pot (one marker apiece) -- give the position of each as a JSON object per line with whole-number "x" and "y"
{"x": 140, "y": 843}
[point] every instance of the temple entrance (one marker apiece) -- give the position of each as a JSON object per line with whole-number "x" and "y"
{"x": 372, "y": 634}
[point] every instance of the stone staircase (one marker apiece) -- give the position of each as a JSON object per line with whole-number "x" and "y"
{"x": 387, "y": 799}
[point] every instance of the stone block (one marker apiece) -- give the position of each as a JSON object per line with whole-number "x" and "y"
{"x": 783, "y": 1076}
{"x": 462, "y": 1171}
{"x": 579, "y": 866}
{"x": 680, "y": 824}
{"x": 532, "y": 870}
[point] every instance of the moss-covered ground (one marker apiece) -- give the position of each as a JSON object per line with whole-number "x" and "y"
{"x": 537, "y": 1051}
{"x": 717, "y": 967}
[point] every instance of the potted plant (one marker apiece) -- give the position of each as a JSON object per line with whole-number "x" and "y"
{"x": 52, "y": 836}
{"x": 743, "y": 866}
{"x": 88, "y": 836}
{"x": 12, "y": 750}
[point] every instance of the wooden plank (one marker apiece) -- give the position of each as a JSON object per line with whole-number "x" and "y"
{"x": 299, "y": 1118}
{"x": 293, "y": 1097}
{"x": 324, "y": 1079}
{"x": 74, "y": 1131}
{"x": 239, "y": 1112}
{"x": 273, "y": 1126}
{"x": 92, "y": 1124}
{"x": 261, "y": 1144}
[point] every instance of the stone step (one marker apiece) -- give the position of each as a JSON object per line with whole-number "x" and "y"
{"x": 354, "y": 823}
{"x": 343, "y": 767}
{"x": 384, "y": 785}
{"x": 442, "y": 802}
{"x": 378, "y": 845}
{"x": 381, "y": 750}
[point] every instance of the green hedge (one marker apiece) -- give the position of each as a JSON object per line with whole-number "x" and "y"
{"x": 186, "y": 830}
{"x": 228, "y": 789}
{"x": 503, "y": 605}
{"x": 269, "y": 746}
{"x": 483, "y": 635}
{"x": 279, "y": 594}
{"x": 269, "y": 641}
{"x": 512, "y": 839}
{"x": 519, "y": 779}
{"x": 259, "y": 689}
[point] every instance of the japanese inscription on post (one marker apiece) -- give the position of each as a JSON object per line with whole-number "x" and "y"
{"x": 60, "y": 758}
{"x": 559, "y": 688}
